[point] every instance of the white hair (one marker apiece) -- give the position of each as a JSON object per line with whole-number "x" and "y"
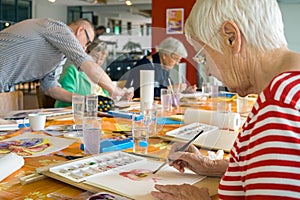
{"x": 171, "y": 45}
{"x": 259, "y": 21}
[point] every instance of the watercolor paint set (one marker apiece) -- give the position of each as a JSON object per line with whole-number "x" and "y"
{"x": 80, "y": 170}
{"x": 187, "y": 132}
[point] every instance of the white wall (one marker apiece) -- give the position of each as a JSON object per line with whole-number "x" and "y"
{"x": 291, "y": 16}
{"x": 44, "y": 9}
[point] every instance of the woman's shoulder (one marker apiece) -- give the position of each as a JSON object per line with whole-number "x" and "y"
{"x": 284, "y": 88}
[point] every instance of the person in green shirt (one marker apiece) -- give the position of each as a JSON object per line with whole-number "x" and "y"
{"x": 77, "y": 82}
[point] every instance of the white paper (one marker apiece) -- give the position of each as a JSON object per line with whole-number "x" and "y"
{"x": 140, "y": 189}
{"x": 222, "y": 139}
{"x": 7, "y": 125}
{"x": 9, "y": 164}
{"x": 222, "y": 120}
{"x": 146, "y": 87}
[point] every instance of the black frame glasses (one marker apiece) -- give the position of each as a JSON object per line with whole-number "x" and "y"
{"x": 89, "y": 42}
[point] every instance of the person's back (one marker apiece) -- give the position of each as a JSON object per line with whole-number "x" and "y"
{"x": 161, "y": 75}
{"x": 24, "y": 47}
{"x": 169, "y": 53}
{"x": 36, "y": 49}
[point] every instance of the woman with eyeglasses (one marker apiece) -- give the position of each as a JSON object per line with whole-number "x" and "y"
{"x": 242, "y": 43}
{"x": 78, "y": 82}
{"x": 169, "y": 53}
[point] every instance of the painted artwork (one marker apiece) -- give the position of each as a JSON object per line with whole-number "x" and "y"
{"x": 25, "y": 147}
{"x": 31, "y": 145}
{"x": 140, "y": 175}
{"x": 175, "y": 21}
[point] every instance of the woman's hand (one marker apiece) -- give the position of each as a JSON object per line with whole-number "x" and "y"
{"x": 180, "y": 192}
{"x": 195, "y": 161}
{"x": 190, "y": 89}
{"x": 123, "y": 94}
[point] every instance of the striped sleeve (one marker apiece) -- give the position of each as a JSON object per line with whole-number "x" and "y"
{"x": 265, "y": 159}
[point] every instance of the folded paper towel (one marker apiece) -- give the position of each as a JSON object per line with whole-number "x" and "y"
{"x": 146, "y": 87}
{"x": 9, "y": 164}
{"x": 230, "y": 121}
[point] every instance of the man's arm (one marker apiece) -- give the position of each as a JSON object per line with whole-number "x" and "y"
{"x": 59, "y": 93}
{"x": 99, "y": 76}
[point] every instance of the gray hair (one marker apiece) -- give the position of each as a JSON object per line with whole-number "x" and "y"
{"x": 260, "y": 22}
{"x": 171, "y": 45}
{"x": 97, "y": 46}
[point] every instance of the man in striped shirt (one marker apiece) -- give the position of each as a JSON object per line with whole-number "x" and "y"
{"x": 36, "y": 49}
{"x": 242, "y": 43}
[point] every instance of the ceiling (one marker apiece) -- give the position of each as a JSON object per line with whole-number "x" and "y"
{"x": 100, "y": 2}
{"x": 139, "y": 8}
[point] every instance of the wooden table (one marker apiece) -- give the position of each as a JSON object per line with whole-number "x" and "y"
{"x": 10, "y": 188}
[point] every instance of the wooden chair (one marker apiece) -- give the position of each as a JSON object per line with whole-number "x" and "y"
{"x": 44, "y": 101}
{"x": 10, "y": 101}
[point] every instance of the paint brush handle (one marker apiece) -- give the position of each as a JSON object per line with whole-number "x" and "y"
{"x": 171, "y": 86}
{"x": 183, "y": 148}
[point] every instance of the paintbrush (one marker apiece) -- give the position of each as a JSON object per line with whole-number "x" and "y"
{"x": 183, "y": 148}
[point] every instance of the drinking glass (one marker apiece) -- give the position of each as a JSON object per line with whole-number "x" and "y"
{"x": 165, "y": 98}
{"x": 91, "y": 105}
{"x": 78, "y": 110}
{"x": 140, "y": 133}
{"x": 150, "y": 117}
{"x": 91, "y": 135}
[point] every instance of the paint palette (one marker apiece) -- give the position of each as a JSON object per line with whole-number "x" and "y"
{"x": 80, "y": 170}
{"x": 187, "y": 132}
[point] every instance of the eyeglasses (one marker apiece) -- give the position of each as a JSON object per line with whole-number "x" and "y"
{"x": 200, "y": 58}
{"x": 89, "y": 42}
{"x": 175, "y": 58}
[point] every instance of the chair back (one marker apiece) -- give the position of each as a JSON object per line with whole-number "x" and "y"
{"x": 44, "y": 101}
{"x": 10, "y": 101}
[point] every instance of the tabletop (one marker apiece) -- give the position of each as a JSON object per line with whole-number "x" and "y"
{"x": 48, "y": 188}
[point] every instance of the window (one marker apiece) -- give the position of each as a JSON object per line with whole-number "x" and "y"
{"x": 13, "y": 11}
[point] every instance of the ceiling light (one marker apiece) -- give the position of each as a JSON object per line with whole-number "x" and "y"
{"x": 128, "y": 2}
{"x": 52, "y": 1}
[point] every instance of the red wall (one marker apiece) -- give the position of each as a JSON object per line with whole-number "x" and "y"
{"x": 159, "y": 8}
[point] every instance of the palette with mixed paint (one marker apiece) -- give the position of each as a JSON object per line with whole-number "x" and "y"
{"x": 80, "y": 170}
{"x": 187, "y": 132}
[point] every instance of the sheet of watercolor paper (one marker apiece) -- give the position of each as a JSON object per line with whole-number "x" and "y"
{"x": 137, "y": 181}
{"x": 32, "y": 145}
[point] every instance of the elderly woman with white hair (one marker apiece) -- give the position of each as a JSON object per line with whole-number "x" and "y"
{"x": 169, "y": 53}
{"x": 242, "y": 43}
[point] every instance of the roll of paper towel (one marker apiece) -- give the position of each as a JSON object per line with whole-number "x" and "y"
{"x": 222, "y": 120}
{"x": 146, "y": 87}
{"x": 9, "y": 164}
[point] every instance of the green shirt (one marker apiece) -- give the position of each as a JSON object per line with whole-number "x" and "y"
{"x": 73, "y": 81}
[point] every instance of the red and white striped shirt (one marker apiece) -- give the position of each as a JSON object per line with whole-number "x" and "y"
{"x": 265, "y": 158}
